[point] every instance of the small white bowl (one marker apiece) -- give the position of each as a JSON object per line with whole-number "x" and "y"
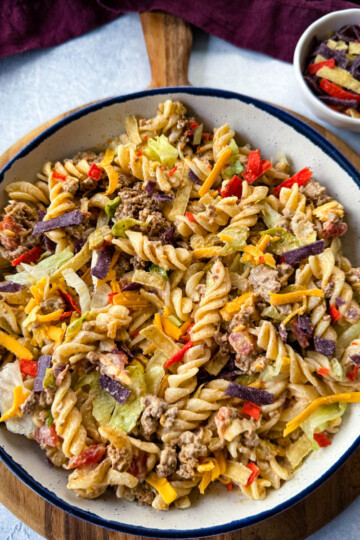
{"x": 321, "y": 29}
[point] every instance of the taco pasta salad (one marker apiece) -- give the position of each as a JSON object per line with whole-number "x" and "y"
{"x": 175, "y": 311}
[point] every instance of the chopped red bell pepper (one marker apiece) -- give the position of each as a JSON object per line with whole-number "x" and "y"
{"x": 95, "y": 172}
{"x": 314, "y": 68}
{"x": 229, "y": 486}
{"x": 336, "y": 91}
{"x": 299, "y": 178}
{"x": 351, "y": 375}
{"x": 29, "y": 367}
{"x": 334, "y": 314}
{"x": 135, "y": 333}
{"x": 251, "y": 410}
{"x": 47, "y": 435}
{"x": 69, "y": 300}
{"x": 30, "y": 256}
{"x": 255, "y": 472}
{"x": 140, "y": 152}
{"x": 111, "y": 297}
{"x": 323, "y": 371}
{"x": 190, "y": 216}
{"x": 234, "y": 187}
{"x": 179, "y": 355}
{"x": 90, "y": 455}
{"x": 261, "y": 259}
{"x": 66, "y": 314}
{"x": 58, "y": 176}
{"x": 172, "y": 170}
{"x": 255, "y": 166}
{"x": 322, "y": 439}
{"x": 193, "y": 125}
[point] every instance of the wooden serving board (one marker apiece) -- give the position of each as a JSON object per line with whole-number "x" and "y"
{"x": 168, "y": 41}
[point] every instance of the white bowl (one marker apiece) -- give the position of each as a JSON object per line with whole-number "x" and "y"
{"x": 265, "y": 127}
{"x": 321, "y": 29}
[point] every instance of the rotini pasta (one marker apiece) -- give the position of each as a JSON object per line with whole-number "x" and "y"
{"x": 171, "y": 310}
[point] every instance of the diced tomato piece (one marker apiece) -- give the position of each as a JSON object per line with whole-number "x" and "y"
{"x": 299, "y": 178}
{"x": 193, "y": 125}
{"x": 29, "y": 367}
{"x": 92, "y": 454}
{"x": 47, "y": 435}
{"x": 351, "y": 375}
{"x": 233, "y": 188}
{"x": 255, "y": 166}
{"x": 322, "y": 439}
{"x": 95, "y": 172}
{"x": 30, "y": 256}
{"x": 229, "y": 486}
{"x": 255, "y": 472}
{"x": 334, "y": 314}
{"x": 58, "y": 176}
{"x": 322, "y": 371}
{"x": 69, "y": 300}
{"x": 251, "y": 410}
{"x": 190, "y": 216}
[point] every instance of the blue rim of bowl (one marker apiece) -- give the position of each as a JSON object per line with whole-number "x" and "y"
{"x": 317, "y": 139}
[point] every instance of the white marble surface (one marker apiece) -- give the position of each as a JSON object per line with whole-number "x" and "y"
{"x": 112, "y": 60}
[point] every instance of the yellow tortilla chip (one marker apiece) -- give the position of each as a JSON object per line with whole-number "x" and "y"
{"x": 157, "y": 281}
{"x": 181, "y": 201}
{"x": 354, "y": 48}
{"x": 163, "y": 342}
{"x": 341, "y": 77}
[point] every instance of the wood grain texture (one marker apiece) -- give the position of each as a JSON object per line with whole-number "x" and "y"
{"x": 296, "y": 523}
{"x": 168, "y": 41}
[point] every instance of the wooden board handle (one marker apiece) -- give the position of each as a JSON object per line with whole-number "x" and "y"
{"x": 168, "y": 41}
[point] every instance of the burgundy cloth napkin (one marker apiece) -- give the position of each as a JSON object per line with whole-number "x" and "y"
{"x": 268, "y": 26}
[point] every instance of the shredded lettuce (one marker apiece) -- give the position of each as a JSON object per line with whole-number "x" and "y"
{"x": 337, "y": 369}
{"x": 273, "y": 313}
{"x": 286, "y": 242}
{"x": 125, "y": 224}
{"x": 303, "y": 229}
{"x": 197, "y": 135}
{"x": 154, "y": 372}
{"x": 158, "y": 270}
{"x": 10, "y": 377}
{"x": 239, "y": 235}
{"x": 270, "y": 216}
{"x": 110, "y": 207}
{"x": 234, "y": 150}
{"x": 351, "y": 333}
{"x": 49, "y": 379}
{"x": 75, "y": 327}
{"x": 319, "y": 420}
{"x": 236, "y": 168}
{"x": 108, "y": 412}
{"x": 160, "y": 149}
{"x": 44, "y": 268}
{"x": 73, "y": 280}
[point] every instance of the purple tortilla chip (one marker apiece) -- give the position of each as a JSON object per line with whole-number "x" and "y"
{"x": 328, "y": 53}
{"x": 66, "y": 220}
{"x": 355, "y": 358}
{"x": 337, "y": 102}
{"x": 126, "y": 351}
{"x": 102, "y": 266}
{"x": 324, "y": 346}
{"x": 163, "y": 197}
{"x": 283, "y": 333}
{"x": 118, "y": 392}
{"x": 131, "y": 287}
{"x": 193, "y": 177}
{"x": 150, "y": 187}
{"x": 44, "y": 362}
{"x": 260, "y": 397}
{"x": 348, "y": 33}
{"x": 313, "y": 83}
{"x": 49, "y": 244}
{"x": 294, "y": 256}
{"x": 167, "y": 238}
{"x": 10, "y": 287}
{"x": 355, "y": 68}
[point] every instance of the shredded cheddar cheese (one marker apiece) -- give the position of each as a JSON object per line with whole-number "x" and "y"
{"x": 19, "y": 398}
{"x": 13, "y": 345}
{"x": 54, "y": 316}
{"x": 113, "y": 179}
{"x": 170, "y": 329}
{"x": 233, "y": 307}
{"x": 108, "y": 158}
{"x": 346, "y": 397}
{"x": 163, "y": 487}
{"x": 221, "y": 162}
{"x": 322, "y": 212}
{"x": 278, "y": 299}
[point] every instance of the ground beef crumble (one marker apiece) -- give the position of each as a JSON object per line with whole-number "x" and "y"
{"x": 154, "y": 408}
